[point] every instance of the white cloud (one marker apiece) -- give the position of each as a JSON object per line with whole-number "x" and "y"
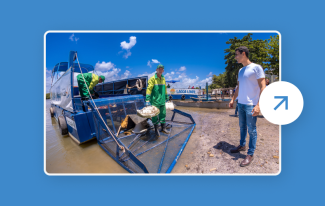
{"x": 127, "y": 67}
{"x": 185, "y": 81}
{"x": 127, "y": 46}
{"x": 169, "y": 76}
{"x": 127, "y": 54}
{"x": 111, "y": 75}
{"x": 149, "y": 64}
{"x": 210, "y": 74}
{"x": 126, "y": 74}
{"x": 110, "y": 72}
{"x": 204, "y": 81}
{"x": 153, "y": 61}
{"x": 73, "y": 38}
{"x": 104, "y": 66}
{"x": 183, "y": 68}
{"x": 147, "y": 74}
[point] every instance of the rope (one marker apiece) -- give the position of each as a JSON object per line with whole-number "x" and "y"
{"x": 138, "y": 85}
{"x": 121, "y": 147}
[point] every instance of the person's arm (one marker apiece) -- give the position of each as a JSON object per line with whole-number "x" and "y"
{"x": 262, "y": 85}
{"x": 231, "y": 103}
{"x": 166, "y": 95}
{"x": 151, "y": 84}
{"x": 94, "y": 81}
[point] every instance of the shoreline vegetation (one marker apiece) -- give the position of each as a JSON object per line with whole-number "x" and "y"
{"x": 262, "y": 52}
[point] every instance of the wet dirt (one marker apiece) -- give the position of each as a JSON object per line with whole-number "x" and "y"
{"x": 216, "y": 132}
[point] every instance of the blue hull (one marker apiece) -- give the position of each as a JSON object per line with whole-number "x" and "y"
{"x": 179, "y": 96}
{"x": 80, "y": 125}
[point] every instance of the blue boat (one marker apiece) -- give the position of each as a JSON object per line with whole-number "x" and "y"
{"x": 101, "y": 119}
{"x": 181, "y": 94}
{"x": 203, "y": 99}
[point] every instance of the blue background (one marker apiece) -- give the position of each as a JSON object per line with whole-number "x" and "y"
{"x": 24, "y": 23}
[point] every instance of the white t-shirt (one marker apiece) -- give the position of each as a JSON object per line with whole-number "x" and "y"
{"x": 249, "y": 90}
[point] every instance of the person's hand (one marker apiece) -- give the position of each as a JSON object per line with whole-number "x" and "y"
{"x": 256, "y": 110}
{"x": 148, "y": 104}
{"x": 231, "y": 103}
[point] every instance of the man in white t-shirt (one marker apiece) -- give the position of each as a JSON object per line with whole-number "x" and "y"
{"x": 251, "y": 83}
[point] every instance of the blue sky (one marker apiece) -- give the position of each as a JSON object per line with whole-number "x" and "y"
{"x": 191, "y": 58}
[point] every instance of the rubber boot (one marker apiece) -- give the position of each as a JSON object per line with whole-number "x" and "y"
{"x": 157, "y": 130}
{"x": 163, "y": 129}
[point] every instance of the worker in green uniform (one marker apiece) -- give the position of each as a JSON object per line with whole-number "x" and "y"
{"x": 91, "y": 80}
{"x": 157, "y": 96}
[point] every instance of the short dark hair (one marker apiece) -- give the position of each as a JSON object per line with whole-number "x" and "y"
{"x": 242, "y": 49}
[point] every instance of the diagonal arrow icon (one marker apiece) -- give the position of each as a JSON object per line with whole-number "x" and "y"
{"x": 284, "y": 99}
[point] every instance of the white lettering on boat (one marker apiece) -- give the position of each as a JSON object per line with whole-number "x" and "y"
{"x": 71, "y": 123}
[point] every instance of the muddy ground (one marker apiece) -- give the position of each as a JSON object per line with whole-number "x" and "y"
{"x": 216, "y": 132}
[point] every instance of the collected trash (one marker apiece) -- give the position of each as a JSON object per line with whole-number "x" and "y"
{"x": 148, "y": 112}
{"x": 127, "y": 133}
{"x": 170, "y": 105}
{"x": 127, "y": 123}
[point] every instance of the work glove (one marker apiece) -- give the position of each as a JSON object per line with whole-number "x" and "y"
{"x": 148, "y": 104}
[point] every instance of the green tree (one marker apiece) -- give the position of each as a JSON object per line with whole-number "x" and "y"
{"x": 257, "y": 54}
{"x": 220, "y": 81}
{"x": 272, "y": 48}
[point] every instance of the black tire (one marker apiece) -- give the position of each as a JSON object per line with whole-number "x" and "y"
{"x": 63, "y": 125}
{"x": 183, "y": 97}
{"x": 170, "y": 97}
{"x": 52, "y": 111}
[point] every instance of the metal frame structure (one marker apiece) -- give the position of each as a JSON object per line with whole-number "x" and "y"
{"x": 82, "y": 121}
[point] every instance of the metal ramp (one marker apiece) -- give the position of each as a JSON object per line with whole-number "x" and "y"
{"x": 144, "y": 153}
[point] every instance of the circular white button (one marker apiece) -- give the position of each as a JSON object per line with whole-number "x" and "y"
{"x": 281, "y": 103}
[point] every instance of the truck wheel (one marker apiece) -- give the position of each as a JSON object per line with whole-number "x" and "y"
{"x": 63, "y": 125}
{"x": 52, "y": 112}
{"x": 170, "y": 97}
{"x": 183, "y": 97}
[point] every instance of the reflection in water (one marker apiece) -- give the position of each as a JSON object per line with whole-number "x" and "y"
{"x": 63, "y": 155}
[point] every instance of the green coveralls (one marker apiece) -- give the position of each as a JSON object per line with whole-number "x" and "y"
{"x": 91, "y": 80}
{"x": 157, "y": 95}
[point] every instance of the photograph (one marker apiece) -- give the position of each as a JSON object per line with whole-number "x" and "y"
{"x": 160, "y": 102}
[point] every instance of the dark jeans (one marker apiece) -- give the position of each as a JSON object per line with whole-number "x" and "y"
{"x": 247, "y": 121}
